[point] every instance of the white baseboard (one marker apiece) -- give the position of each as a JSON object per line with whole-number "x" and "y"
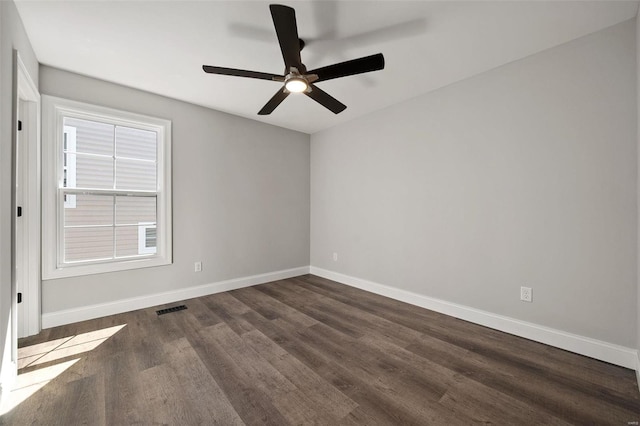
{"x": 638, "y": 370}
{"x": 53, "y": 319}
{"x": 604, "y": 351}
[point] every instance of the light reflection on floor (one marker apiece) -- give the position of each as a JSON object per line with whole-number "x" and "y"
{"x": 30, "y": 382}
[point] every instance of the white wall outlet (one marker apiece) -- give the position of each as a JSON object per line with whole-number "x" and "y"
{"x": 335, "y": 257}
{"x": 197, "y": 266}
{"x": 526, "y": 294}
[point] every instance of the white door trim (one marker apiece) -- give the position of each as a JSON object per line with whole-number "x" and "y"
{"x": 25, "y": 90}
{"x": 27, "y": 94}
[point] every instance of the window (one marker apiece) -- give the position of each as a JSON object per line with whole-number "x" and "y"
{"x": 106, "y": 188}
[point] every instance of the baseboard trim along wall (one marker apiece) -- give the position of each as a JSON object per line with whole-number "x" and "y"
{"x": 84, "y": 313}
{"x": 638, "y": 370}
{"x": 603, "y": 351}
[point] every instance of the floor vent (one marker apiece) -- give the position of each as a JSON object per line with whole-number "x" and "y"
{"x": 173, "y": 309}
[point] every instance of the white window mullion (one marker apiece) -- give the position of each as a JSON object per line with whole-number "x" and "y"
{"x": 114, "y": 209}
{"x": 60, "y": 228}
{"x": 115, "y": 141}
{"x": 100, "y": 191}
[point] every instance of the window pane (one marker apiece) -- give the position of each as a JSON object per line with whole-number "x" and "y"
{"x": 135, "y": 210}
{"x": 89, "y": 210}
{"x": 91, "y": 136}
{"x": 135, "y": 175}
{"x": 91, "y": 243}
{"x": 90, "y": 171}
{"x": 136, "y": 143}
{"x": 134, "y": 240}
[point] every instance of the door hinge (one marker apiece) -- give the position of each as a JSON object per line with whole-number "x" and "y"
{"x": 19, "y": 211}
{"x": 19, "y": 297}
{"x": 19, "y": 125}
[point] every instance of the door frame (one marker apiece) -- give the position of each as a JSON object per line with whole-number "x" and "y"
{"x": 27, "y": 103}
{"x": 23, "y": 88}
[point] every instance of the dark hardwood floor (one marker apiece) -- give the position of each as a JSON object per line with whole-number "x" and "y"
{"x": 309, "y": 351}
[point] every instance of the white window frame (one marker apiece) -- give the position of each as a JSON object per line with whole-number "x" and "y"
{"x": 54, "y": 109}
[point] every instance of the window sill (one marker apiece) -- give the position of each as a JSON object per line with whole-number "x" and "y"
{"x": 102, "y": 268}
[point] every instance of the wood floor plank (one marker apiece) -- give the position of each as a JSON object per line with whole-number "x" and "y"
{"x": 202, "y": 313}
{"x": 483, "y": 405}
{"x": 538, "y": 391}
{"x": 228, "y": 309}
{"x": 373, "y": 396}
{"x": 364, "y": 371}
{"x": 253, "y": 297}
{"x": 250, "y": 402}
{"x": 353, "y": 353}
{"x": 164, "y": 404}
{"x": 122, "y": 389}
{"x": 85, "y": 406}
{"x": 255, "y": 367}
{"x": 226, "y": 304}
{"x": 479, "y": 402}
{"x": 323, "y": 395}
{"x": 307, "y": 351}
{"x": 291, "y": 403}
{"x": 148, "y": 352}
{"x": 365, "y": 322}
{"x": 287, "y": 338}
{"x": 206, "y": 400}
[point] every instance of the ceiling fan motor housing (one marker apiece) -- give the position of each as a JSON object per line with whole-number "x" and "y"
{"x": 296, "y": 78}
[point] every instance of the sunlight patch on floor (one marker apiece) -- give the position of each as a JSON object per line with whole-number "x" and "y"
{"x": 65, "y": 347}
{"x": 32, "y": 381}
{"x": 29, "y": 383}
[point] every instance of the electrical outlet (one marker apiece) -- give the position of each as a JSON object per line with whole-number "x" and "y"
{"x": 197, "y": 266}
{"x": 335, "y": 257}
{"x": 526, "y": 294}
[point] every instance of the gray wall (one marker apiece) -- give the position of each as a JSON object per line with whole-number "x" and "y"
{"x": 12, "y": 36}
{"x": 240, "y": 197}
{"x": 521, "y": 176}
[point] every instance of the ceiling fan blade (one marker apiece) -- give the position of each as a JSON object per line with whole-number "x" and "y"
{"x": 326, "y": 100}
{"x": 241, "y": 73}
{"x": 274, "y": 102}
{"x": 284, "y": 20}
{"x": 352, "y": 67}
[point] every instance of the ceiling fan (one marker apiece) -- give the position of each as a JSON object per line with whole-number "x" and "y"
{"x": 296, "y": 78}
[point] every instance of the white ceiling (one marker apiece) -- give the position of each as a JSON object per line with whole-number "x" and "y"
{"x": 160, "y": 46}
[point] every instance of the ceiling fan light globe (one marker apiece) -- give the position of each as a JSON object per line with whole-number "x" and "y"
{"x": 296, "y": 85}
